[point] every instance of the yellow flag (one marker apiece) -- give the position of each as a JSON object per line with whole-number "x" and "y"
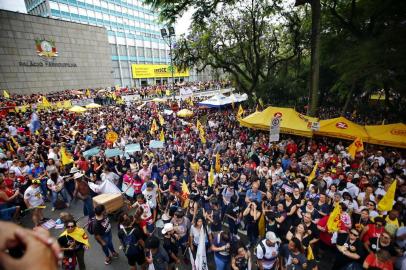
{"x": 201, "y": 131}
{"x": 10, "y": 148}
{"x": 88, "y": 92}
{"x": 67, "y": 104}
{"x": 218, "y": 165}
{"x": 162, "y": 136}
{"x": 6, "y": 94}
{"x": 334, "y": 219}
{"x": 66, "y": 157}
{"x": 312, "y": 175}
{"x": 356, "y": 146}
{"x": 185, "y": 194}
{"x": 240, "y": 111}
{"x": 310, "y": 255}
{"x": 261, "y": 226}
{"x": 154, "y": 127}
{"x": 211, "y": 177}
{"x": 45, "y": 102}
{"x": 59, "y": 105}
{"x": 386, "y": 203}
{"x": 168, "y": 92}
{"x": 161, "y": 119}
{"x": 15, "y": 142}
{"x": 79, "y": 235}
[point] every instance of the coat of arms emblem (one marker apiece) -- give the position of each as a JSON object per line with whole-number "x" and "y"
{"x": 46, "y": 48}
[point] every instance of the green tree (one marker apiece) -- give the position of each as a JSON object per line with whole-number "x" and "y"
{"x": 256, "y": 42}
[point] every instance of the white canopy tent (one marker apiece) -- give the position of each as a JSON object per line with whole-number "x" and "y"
{"x": 221, "y": 100}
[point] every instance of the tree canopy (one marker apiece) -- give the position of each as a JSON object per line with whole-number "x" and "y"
{"x": 265, "y": 46}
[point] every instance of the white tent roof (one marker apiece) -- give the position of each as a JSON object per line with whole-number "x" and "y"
{"x": 221, "y": 100}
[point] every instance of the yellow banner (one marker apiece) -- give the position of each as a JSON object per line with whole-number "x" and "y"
{"x": 144, "y": 71}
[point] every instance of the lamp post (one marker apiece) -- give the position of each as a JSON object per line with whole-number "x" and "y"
{"x": 167, "y": 35}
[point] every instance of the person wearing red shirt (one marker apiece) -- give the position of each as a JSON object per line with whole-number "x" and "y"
{"x": 373, "y": 230}
{"x": 291, "y": 147}
{"x": 8, "y": 210}
{"x": 82, "y": 164}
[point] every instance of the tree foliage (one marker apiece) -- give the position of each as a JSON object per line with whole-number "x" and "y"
{"x": 255, "y": 42}
{"x": 266, "y": 48}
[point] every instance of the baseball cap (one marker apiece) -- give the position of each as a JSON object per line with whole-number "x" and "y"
{"x": 167, "y": 228}
{"x": 270, "y": 236}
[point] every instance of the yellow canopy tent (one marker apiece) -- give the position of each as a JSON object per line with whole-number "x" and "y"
{"x": 343, "y": 128}
{"x": 93, "y": 106}
{"x": 292, "y": 121}
{"x": 390, "y": 135}
{"x": 185, "y": 113}
{"x": 77, "y": 109}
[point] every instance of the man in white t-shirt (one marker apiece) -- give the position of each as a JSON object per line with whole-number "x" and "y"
{"x": 33, "y": 199}
{"x": 267, "y": 251}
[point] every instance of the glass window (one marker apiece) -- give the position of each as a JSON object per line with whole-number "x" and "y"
{"x": 90, "y": 13}
{"x": 148, "y": 52}
{"x": 53, "y": 5}
{"x": 73, "y": 10}
{"x": 98, "y": 15}
{"x": 162, "y": 53}
{"x": 106, "y": 17}
{"x": 122, "y": 50}
{"x": 124, "y": 65}
{"x": 131, "y": 51}
{"x": 104, "y": 4}
{"x": 140, "y": 51}
{"x": 156, "y": 53}
{"x": 111, "y": 6}
{"x": 113, "y": 50}
{"x": 82, "y": 11}
{"x": 63, "y": 7}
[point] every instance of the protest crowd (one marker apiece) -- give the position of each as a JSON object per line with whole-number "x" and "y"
{"x": 200, "y": 192}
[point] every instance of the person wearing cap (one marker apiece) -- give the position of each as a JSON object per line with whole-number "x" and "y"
{"x": 170, "y": 244}
{"x": 267, "y": 252}
{"x": 33, "y": 199}
{"x": 82, "y": 191}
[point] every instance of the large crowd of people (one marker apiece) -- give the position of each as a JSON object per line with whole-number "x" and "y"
{"x": 251, "y": 201}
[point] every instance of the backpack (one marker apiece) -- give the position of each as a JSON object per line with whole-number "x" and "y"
{"x": 91, "y": 225}
{"x": 129, "y": 242}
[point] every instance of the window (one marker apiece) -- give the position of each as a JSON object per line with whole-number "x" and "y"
{"x": 156, "y": 53}
{"x": 162, "y": 53}
{"x": 122, "y": 50}
{"x": 63, "y": 7}
{"x": 148, "y": 52}
{"x": 113, "y": 50}
{"x": 131, "y": 51}
{"x": 140, "y": 51}
{"x": 54, "y": 5}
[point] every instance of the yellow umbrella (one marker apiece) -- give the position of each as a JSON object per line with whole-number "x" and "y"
{"x": 93, "y": 106}
{"x": 77, "y": 109}
{"x": 184, "y": 113}
{"x": 158, "y": 100}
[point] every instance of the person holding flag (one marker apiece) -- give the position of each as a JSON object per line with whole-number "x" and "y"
{"x": 73, "y": 242}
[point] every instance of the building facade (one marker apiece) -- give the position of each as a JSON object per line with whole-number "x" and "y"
{"x": 133, "y": 33}
{"x": 43, "y": 55}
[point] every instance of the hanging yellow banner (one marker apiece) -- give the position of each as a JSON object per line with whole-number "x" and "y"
{"x": 144, "y": 71}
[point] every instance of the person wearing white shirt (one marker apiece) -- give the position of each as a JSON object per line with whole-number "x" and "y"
{"x": 110, "y": 176}
{"x": 267, "y": 251}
